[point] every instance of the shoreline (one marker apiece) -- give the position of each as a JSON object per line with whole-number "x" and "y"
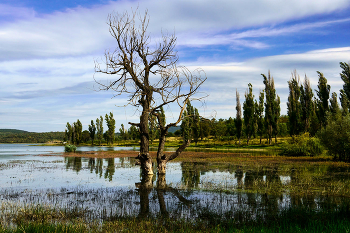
{"x": 241, "y": 158}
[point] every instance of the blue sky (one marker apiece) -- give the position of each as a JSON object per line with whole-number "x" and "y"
{"x": 48, "y": 49}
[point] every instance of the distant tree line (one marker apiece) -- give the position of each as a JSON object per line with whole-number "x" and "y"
{"x": 74, "y": 133}
{"x": 17, "y": 136}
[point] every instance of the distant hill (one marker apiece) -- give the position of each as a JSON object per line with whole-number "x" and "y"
{"x": 174, "y": 128}
{"x": 22, "y": 136}
{"x": 12, "y": 131}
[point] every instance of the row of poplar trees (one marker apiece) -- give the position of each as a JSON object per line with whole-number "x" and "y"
{"x": 254, "y": 120}
{"x": 74, "y": 132}
{"x": 308, "y": 113}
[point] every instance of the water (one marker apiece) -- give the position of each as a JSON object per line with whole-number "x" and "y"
{"x": 114, "y": 187}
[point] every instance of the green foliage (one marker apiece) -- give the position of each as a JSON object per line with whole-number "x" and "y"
{"x": 190, "y": 123}
{"x": 345, "y": 92}
{"x": 302, "y": 145}
{"x": 322, "y": 100}
{"x": 99, "y": 129}
{"x": 272, "y": 107}
{"x": 294, "y": 106}
{"x": 134, "y": 133}
{"x": 307, "y": 104}
{"x": 336, "y": 136}
{"x": 92, "y": 131}
{"x": 19, "y": 136}
{"x": 70, "y": 148}
{"x": 249, "y": 113}
{"x": 111, "y": 128}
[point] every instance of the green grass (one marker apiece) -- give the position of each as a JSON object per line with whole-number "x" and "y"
{"x": 289, "y": 220}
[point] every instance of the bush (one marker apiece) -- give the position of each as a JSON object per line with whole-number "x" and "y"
{"x": 70, "y": 148}
{"x": 336, "y": 136}
{"x": 302, "y": 145}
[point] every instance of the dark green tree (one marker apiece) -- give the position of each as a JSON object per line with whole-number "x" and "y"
{"x": 78, "y": 131}
{"x": 344, "y": 101}
{"x": 111, "y": 127}
{"x": 259, "y": 112}
{"x": 68, "y": 132}
{"x": 190, "y": 123}
{"x": 334, "y": 106}
{"x": 306, "y": 104}
{"x": 272, "y": 108}
{"x": 336, "y": 137}
{"x": 230, "y": 127}
{"x": 123, "y": 133}
{"x": 238, "y": 120}
{"x": 134, "y": 133}
{"x": 322, "y": 99}
{"x": 294, "y": 107}
{"x": 345, "y": 92}
{"x": 85, "y": 136}
{"x": 99, "y": 129}
{"x": 92, "y": 131}
{"x": 249, "y": 113}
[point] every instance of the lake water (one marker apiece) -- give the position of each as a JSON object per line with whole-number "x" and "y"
{"x": 110, "y": 188}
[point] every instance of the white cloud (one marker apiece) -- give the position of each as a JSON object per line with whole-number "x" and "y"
{"x": 46, "y": 61}
{"x": 82, "y": 31}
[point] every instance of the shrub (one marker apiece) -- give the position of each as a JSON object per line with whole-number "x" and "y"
{"x": 336, "y": 136}
{"x": 70, "y": 148}
{"x": 302, "y": 145}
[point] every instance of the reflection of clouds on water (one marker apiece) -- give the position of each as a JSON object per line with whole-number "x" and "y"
{"x": 107, "y": 189}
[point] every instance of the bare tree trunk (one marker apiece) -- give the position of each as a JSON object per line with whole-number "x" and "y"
{"x": 144, "y": 156}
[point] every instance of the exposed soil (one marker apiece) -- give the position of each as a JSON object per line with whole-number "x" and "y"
{"x": 232, "y": 157}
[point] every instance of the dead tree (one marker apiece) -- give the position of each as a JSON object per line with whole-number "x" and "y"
{"x": 148, "y": 74}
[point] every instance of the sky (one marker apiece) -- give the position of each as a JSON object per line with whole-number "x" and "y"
{"x": 48, "y": 51}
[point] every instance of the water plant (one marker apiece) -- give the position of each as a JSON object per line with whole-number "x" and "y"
{"x": 70, "y": 148}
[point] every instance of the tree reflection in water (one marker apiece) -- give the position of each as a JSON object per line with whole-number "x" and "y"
{"x": 146, "y": 186}
{"x": 248, "y": 197}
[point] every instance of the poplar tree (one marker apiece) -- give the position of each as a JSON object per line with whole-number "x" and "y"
{"x": 334, "y": 106}
{"x": 248, "y": 112}
{"x": 78, "y": 131}
{"x": 111, "y": 128}
{"x": 92, "y": 131}
{"x": 190, "y": 123}
{"x": 322, "y": 100}
{"x": 345, "y": 92}
{"x": 294, "y": 108}
{"x": 272, "y": 107}
{"x": 259, "y": 111}
{"x": 306, "y": 104}
{"x": 99, "y": 127}
{"x": 68, "y": 132}
{"x": 238, "y": 120}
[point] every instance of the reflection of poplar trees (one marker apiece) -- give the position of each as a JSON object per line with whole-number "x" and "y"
{"x": 74, "y": 163}
{"x": 190, "y": 174}
{"x": 91, "y": 164}
{"x": 239, "y": 177}
{"x": 98, "y": 167}
{"x": 110, "y": 169}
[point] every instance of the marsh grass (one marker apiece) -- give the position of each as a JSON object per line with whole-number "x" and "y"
{"x": 288, "y": 220}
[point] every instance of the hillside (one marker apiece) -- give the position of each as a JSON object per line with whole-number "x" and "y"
{"x": 21, "y": 136}
{"x": 12, "y": 131}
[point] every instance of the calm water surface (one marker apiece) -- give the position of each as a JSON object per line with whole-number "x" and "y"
{"x": 109, "y": 188}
